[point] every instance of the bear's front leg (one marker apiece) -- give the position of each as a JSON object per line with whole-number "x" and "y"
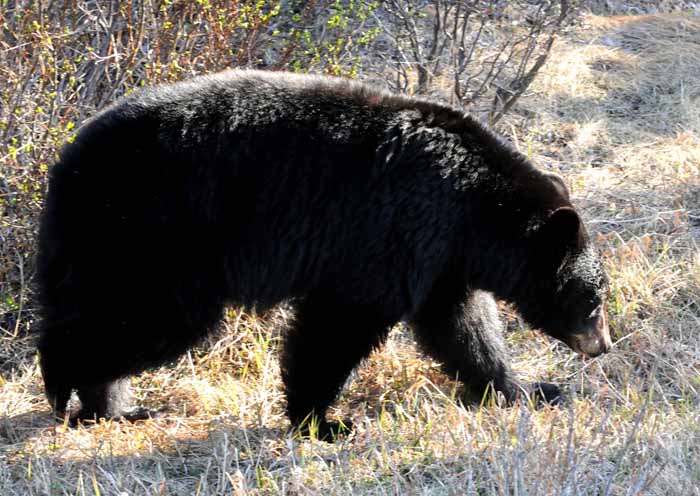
{"x": 464, "y": 334}
{"x": 324, "y": 343}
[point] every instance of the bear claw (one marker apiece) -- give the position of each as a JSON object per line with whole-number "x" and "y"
{"x": 134, "y": 414}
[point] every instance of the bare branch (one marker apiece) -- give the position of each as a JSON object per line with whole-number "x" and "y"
{"x": 485, "y": 47}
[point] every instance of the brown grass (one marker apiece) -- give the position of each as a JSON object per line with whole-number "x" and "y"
{"x": 616, "y": 112}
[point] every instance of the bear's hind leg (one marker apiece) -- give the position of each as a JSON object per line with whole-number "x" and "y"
{"x": 97, "y": 376}
{"x": 322, "y": 346}
{"x": 57, "y": 383}
{"x": 94, "y": 355}
{"x": 464, "y": 334}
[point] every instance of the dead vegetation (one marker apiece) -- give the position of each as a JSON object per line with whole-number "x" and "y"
{"x": 615, "y": 111}
{"x": 481, "y": 56}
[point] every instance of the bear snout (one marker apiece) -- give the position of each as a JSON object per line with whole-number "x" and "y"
{"x": 594, "y": 341}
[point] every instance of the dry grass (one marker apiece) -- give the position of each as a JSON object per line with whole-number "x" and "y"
{"x": 616, "y": 112}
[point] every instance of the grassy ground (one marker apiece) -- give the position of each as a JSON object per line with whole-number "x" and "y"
{"x": 617, "y": 112}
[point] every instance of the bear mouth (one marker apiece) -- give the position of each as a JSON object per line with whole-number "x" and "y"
{"x": 590, "y": 346}
{"x": 594, "y": 341}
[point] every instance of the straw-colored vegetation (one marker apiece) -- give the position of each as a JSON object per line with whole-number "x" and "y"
{"x": 617, "y": 112}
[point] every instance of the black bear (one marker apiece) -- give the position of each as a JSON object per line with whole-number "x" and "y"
{"x": 359, "y": 207}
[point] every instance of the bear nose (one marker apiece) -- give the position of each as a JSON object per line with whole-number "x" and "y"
{"x": 592, "y": 346}
{"x": 595, "y": 340}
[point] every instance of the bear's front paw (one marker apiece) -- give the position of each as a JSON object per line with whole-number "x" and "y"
{"x": 324, "y": 430}
{"x": 544, "y": 393}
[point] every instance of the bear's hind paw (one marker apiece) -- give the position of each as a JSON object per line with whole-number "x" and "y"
{"x": 133, "y": 414}
{"x": 544, "y": 393}
{"x": 140, "y": 413}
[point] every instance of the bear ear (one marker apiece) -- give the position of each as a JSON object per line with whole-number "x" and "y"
{"x": 558, "y": 183}
{"x": 561, "y": 229}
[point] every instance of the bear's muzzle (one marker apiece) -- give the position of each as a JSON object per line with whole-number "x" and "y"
{"x": 595, "y": 340}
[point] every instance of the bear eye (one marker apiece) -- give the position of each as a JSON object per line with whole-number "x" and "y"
{"x": 596, "y": 312}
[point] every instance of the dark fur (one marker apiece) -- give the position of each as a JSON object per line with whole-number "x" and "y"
{"x": 254, "y": 188}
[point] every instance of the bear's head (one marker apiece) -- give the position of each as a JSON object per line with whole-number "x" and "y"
{"x": 568, "y": 286}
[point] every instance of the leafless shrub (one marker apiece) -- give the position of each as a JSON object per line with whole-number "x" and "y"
{"x": 482, "y": 50}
